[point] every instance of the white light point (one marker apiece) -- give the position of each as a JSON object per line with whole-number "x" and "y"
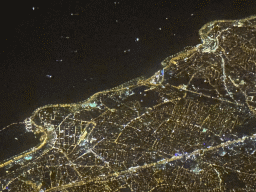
{"x": 49, "y": 76}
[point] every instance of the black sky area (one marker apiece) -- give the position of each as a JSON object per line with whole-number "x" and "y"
{"x": 101, "y": 50}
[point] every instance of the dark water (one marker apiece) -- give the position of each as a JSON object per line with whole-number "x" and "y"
{"x": 98, "y": 47}
{"x": 16, "y": 140}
